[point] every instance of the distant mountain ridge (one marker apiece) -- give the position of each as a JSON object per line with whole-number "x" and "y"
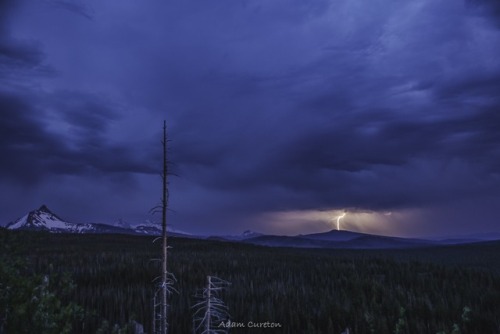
{"x": 339, "y": 239}
{"x": 239, "y": 237}
{"x": 342, "y": 240}
{"x": 43, "y": 219}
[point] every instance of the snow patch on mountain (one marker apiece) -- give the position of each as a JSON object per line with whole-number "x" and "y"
{"x": 18, "y": 223}
{"x": 151, "y": 228}
{"x": 43, "y": 219}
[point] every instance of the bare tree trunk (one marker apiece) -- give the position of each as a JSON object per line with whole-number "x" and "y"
{"x": 164, "y": 277}
{"x": 210, "y": 310}
{"x": 153, "y": 323}
{"x": 209, "y": 307}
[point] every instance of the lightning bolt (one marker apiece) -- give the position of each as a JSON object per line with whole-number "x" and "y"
{"x": 338, "y": 221}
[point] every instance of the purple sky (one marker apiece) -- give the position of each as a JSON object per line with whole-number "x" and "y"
{"x": 281, "y": 114}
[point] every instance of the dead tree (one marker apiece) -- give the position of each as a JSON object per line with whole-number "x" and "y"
{"x": 159, "y": 322}
{"x": 165, "y": 287}
{"x": 210, "y": 311}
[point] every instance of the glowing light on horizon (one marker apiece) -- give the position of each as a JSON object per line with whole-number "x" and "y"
{"x": 294, "y": 222}
{"x": 338, "y": 220}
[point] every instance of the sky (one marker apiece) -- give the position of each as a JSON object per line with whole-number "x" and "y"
{"x": 282, "y": 115}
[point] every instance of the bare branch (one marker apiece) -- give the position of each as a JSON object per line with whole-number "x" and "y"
{"x": 210, "y": 310}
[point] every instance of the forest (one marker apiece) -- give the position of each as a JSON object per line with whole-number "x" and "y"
{"x": 85, "y": 283}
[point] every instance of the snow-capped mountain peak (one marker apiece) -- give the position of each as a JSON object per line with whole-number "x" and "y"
{"x": 45, "y": 220}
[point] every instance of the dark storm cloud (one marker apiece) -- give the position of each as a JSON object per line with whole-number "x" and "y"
{"x": 75, "y": 7}
{"x": 18, "y": 54}
{"x": 34, "y": 150}
{"x": 344, "y": 165}
{"x": 485, "y": 86}
{"x": 31, "y": 139}
{"x": 5, "y": 8}
{"x": 19, "y": 59}
{"x": 22, "y": 141}
{"x": 88, "y": 116}
{"x": 487, "y": 7}
{"x": 271, "y": 106}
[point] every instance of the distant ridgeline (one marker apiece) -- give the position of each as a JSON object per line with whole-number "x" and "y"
{"x": 43, "y": 219}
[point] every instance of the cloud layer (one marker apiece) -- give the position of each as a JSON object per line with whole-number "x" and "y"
{"x": 273, "y": 108}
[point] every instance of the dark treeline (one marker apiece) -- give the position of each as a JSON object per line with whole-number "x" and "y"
{"x": 305, "y": 291}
